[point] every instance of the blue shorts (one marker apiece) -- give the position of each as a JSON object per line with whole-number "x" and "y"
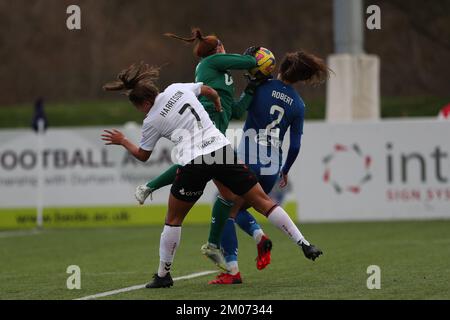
{"x": 267, "y": 182}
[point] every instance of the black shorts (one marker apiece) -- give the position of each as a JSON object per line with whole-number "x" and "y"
{"x": 222, "y": 165}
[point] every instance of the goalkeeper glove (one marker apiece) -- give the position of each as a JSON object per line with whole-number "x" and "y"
{"x": 251, "y": 51}
{"x": 254, "y": 82}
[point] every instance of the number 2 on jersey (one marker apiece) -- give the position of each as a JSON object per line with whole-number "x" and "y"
{"x": 270, "y": 129}
{"x": 197, "y": 117}
{"x": 271, "y": 135}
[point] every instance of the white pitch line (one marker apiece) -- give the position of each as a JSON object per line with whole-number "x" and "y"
{"x": 142, "y": 286}
{"x": 20, "y": 233}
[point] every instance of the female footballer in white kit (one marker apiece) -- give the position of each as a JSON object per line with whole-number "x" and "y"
{"x": 201, "y": 149}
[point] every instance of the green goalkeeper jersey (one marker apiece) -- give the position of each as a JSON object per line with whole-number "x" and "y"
{"x": 214, "y": 72}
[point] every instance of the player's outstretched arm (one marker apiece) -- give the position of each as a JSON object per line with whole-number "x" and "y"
{"x": 115, "y": 137}
{"x": 231, "y": 61}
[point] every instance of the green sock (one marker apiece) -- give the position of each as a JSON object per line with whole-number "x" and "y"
{"x": 164, "y": 179}
{"x": 220, "y": 214}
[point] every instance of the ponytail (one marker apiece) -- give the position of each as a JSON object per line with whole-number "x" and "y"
{"x": 204, "y": 45}
{"x": 196, "y": 35}
{"x": 136, "y": 82}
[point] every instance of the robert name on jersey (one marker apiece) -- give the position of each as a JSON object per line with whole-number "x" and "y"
{"x": 283, "y": 97}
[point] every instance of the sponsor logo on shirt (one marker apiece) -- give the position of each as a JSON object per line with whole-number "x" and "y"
{"x": 208, "y": 142}
{"x": 178, "y": 140}
{"x": 266, "y": 139}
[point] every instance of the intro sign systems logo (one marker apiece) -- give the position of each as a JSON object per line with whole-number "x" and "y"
{"x": 353, "y": 156}
{"x": 407, "y": 175}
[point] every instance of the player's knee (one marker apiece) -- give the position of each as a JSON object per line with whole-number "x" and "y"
{"x": 266, "y": 207}
{"x": 262, "y": 203}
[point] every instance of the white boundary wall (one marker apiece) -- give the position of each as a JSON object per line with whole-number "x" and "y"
{"x": 355, "y": 171}
{"x": 374, "y": 171}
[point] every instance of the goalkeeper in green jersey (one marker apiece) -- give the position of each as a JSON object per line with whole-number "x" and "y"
{"x": 213, "y": 70}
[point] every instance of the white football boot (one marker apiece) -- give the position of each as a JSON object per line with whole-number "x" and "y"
{"x": 215, "y": 255}
{"x": 142, "y": 192}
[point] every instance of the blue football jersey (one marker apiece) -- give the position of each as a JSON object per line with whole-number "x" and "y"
{"x": 275, "y": 107}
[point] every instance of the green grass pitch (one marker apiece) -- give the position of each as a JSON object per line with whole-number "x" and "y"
{"x": 414, "y": 258}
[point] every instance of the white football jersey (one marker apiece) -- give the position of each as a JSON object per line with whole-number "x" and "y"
{"x": 178, "y": 116}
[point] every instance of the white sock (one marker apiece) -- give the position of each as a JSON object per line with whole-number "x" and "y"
{"x": 168, "y": 244}
{"x": 257, "y": 235}
{"x": 281, "y": 219}
{"x": 233, "y": 267}
{"x": 164, "y": 268}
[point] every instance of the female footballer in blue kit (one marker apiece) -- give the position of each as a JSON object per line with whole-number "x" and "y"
{"x": 275, "y": 107}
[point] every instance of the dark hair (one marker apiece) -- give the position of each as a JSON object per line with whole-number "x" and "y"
{"x": 303, "y": 66}
{"x": 137, "y": 82}
{"x": 204, "y": 45}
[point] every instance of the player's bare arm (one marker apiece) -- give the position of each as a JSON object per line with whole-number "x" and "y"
{"x": 115, "y": 137}
{"x": 212, "y": 95}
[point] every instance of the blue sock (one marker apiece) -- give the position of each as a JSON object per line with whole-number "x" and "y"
{"x": 247, "y": 222}
{"x": 229, "y": 241}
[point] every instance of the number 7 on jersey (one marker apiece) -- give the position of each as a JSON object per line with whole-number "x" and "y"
{"x": 197, "y": 117}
